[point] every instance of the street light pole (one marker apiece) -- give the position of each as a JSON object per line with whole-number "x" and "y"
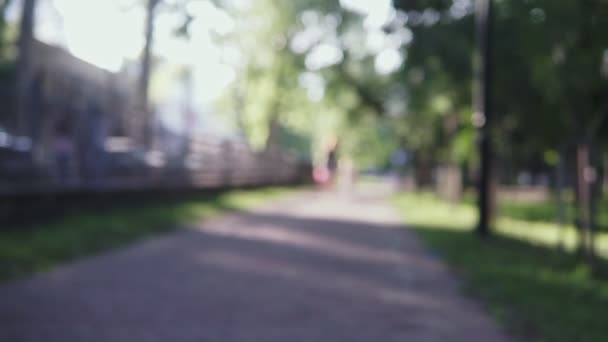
{"x": 483, "y": 111}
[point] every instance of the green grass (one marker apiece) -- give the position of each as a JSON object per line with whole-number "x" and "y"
{"x": 39, "y": 248}
{"x": 537, "y": 292}
{"x": 543, "y": 210}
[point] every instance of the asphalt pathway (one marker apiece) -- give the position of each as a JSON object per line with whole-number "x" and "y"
{"x": 312, "y": 267}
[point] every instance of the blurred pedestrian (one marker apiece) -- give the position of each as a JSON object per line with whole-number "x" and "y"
{"x": 325, "y": 174}
{"x": 332, "y": 160}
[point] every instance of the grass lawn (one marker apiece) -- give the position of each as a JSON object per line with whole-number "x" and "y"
{"x": 536, "y": 292}
{"x": 35, "y": 249}
{"x": 547, "y": 211}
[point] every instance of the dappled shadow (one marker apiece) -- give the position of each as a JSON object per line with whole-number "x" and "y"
{"x": 263, "y": 276}
{"x": 547, "y": 212}
{"x": 449, "y": 240}
{"x": 530, "y": 286}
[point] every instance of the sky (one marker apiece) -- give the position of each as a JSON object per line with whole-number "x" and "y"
{"x": 106, "y": 32}
{"x": 376, "y": 12}
{"x": 102, "y": 33}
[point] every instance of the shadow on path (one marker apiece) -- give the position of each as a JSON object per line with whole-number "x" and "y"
{"x": 316, "y": 268}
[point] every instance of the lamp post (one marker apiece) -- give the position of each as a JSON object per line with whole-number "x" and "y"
{"x": 482, "y": 117}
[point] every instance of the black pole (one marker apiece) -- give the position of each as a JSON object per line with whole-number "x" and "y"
{"x": 483, "y": 111}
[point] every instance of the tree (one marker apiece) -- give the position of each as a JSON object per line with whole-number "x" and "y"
{"x": 144, "y": 78}
{"x": 24, "y": 77}
{"x": 4, "y": 4}
{"x": 559, "y": 79}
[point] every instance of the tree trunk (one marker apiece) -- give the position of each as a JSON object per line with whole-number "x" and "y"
{"x": 596, "y": 183}
{"x": 24, "y": 72}
{"x": 450, "y": 182}
{"x": 240, "y": 96}
{"x": 144, "y": 125}
{"x": 605, "y": 176}
{"x": 450, "y": 176}
{"x": 188, "y": 114}
{"x": 583, "y": 224}
{"x": 274, "y": 128}
{"x": 274, "y": 135}
{"x": 559, "y": 199}
{"x": 422, "y": 172}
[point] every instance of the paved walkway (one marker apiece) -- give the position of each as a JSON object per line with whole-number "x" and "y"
{"x": 314, "y": 267}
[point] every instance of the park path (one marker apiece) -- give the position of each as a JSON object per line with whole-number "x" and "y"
{"x": 311, "y": 267}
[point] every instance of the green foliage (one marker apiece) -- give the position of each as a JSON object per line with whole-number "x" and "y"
{"x": 270, "y": 91}
{"x": 464, "y": 146}
{"x": 371, "y": 142}
{"x": 438, "y": 77}
{"x": 555, "y": 72}
{"x": 549, "y": 63}
{"x": 6, "y": 33}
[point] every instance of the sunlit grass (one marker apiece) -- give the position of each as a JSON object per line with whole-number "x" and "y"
{"x": 35, "y": 249}
{"x": 537, "y": 292}
{"x": 425, "y": 208}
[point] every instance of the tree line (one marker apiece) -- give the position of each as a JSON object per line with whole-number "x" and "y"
{"x": 315, "y": 68}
